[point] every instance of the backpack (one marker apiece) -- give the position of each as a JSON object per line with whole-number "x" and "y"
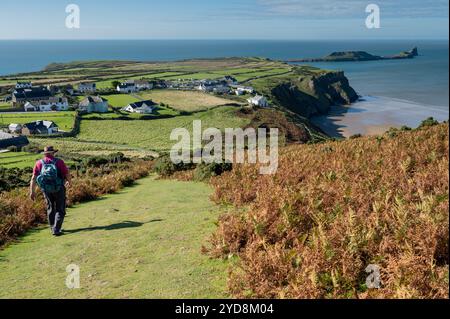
{"x": 48, "y": 180}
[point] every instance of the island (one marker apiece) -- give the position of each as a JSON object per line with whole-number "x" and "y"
{"x": 352, "y": 56}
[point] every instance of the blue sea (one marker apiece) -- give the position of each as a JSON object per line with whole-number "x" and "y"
{"x": 417, "y": 88}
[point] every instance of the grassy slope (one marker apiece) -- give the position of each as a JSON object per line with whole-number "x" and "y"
{"x": 19, "y": 160}
{"x": 150, "y": 249}
{"x": 155, "y": 134}
{"x": 186, "y": 100}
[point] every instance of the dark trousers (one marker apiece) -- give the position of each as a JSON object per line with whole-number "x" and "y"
{"x": 56, "y": 209}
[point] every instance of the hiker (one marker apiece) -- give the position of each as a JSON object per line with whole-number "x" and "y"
{"x": 52, "y": 176}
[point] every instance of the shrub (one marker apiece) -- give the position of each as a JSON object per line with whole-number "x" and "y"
{"x": 429, "y": 122}
{"x": 206, "y": 171}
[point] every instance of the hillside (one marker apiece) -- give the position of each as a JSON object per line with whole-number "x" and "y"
{"x": 298, "y": 92}
{"x": 332, "y": 210}
{"x": 148, "y": 249}
{"x": 308, "y": 91}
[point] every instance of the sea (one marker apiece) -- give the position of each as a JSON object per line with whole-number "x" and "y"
{"x": 393, "y": 92}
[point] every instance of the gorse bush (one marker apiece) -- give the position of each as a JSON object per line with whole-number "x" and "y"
{"x": 18, "y": 213}
{"x": 312, "y": 229}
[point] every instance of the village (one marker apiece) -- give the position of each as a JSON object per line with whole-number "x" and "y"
{"x": 86, "y": 98}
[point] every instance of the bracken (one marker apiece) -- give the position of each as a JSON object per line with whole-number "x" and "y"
{"x": 333, "y": 209}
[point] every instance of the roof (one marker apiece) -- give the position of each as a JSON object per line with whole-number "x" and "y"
{"x": 258, "y": 98}
{"x": 126, "y": 85}
{"x": 11, "y": 140}
{"x": 140, "y": 104}
{"x": 4, "y": 136}
{"x": 92, "y": 84}
{"x": 38, "y": 125}
{"x": 92, "y": 100}
{"x": 32, "y": 93}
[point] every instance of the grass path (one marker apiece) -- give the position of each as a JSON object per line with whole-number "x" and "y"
{"x": 143, "y": 242}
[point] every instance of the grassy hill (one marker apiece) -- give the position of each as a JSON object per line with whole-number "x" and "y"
{"x": 148, "y": 249}
{"x": 333, "y": 209}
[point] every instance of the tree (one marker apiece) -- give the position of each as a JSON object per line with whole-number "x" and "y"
{"x": 115, "y": 84}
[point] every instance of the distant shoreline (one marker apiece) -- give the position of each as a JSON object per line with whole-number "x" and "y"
{"x": 375, "y": 115}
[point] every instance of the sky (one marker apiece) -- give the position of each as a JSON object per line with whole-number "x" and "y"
{"x": 225, "y": 19}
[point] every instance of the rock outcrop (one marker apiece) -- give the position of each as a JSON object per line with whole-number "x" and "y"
{"x": 351, "y": 56}
{"x": 314, "y": 95}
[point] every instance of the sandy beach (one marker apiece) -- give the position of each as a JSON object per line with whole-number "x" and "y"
{"x": 375, "y": 115}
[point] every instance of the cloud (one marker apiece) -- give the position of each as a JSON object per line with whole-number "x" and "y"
{"x": 354, "y": 8}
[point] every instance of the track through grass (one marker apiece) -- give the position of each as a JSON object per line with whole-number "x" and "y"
{"x": 143, "y": 242}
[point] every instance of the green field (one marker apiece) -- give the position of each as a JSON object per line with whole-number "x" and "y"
{"x": 144, "y": 242}
{"x": 185, "y": 100}
{"x": 64, "y": 120}
{"x": 18, "y": 160}
{"x": 120, "y": 100}
{"x": 154, "y": 134}
{"x": 4, "y": 106}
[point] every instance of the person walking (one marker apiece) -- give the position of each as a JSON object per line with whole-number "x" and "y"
{"x": 52, "y": 176}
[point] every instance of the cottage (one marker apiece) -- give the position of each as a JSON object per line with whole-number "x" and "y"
{"x": 15, "y": 128}
{"x": 127, "y": 88}
{"x": 40, "y": 127}
{"x": 52, "y": 104}
{"x": 143, "y": 107}
{"x": 7, "y": 140}
{"x": 87, "y": 87}
{"x": 24, "y": 85}
{"x": 258, "y": 100}
{"x": 94, "y": 104}
{"x": 142, "y": 85}
{"x": 34, "y": 94}
{"x": 241, "y": 90}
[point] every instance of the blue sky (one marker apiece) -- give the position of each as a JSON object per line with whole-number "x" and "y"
{"x": 226, "y": 19}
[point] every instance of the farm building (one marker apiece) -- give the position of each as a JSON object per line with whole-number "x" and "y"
{"x": 40, "y": 128}
{"x": 241, "y": 90}
{"x": 52, "y": 104}
{"x": 34, "y": 94}
{"x": 15, "y": 128}
{"x": 127, "y": 88}
{"x": 7, "y": 140}
{"x": 143, "y": 107}
{"x": 24, "y": 85}
{"x": 259, "y": 100}
{"x": 142, "y": 85}
{"x": 94, "y": 104}
{"x": 87, "y": 87}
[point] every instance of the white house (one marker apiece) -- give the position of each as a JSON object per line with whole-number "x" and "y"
{"x": 15, "y": 128}
{"x": 258, "y": 100}
{"x": 143, "y": 107}
{"x": 142, "y": 85}
{"x": 52, "y": 104}
{"x": 87, "y": 87}
{"x": 127, "y": 88}
{"x": 241, "y": 90}
{"x": 24, "y": 85}
{"x": 94, "y": 104}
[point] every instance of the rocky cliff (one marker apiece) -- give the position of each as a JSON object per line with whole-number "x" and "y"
{"x": 309, "y": 95}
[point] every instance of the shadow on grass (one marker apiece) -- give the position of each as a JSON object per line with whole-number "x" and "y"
{"x": 122, "y": 225}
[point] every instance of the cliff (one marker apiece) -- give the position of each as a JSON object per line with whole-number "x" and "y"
{"x": 312, "y": 92}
